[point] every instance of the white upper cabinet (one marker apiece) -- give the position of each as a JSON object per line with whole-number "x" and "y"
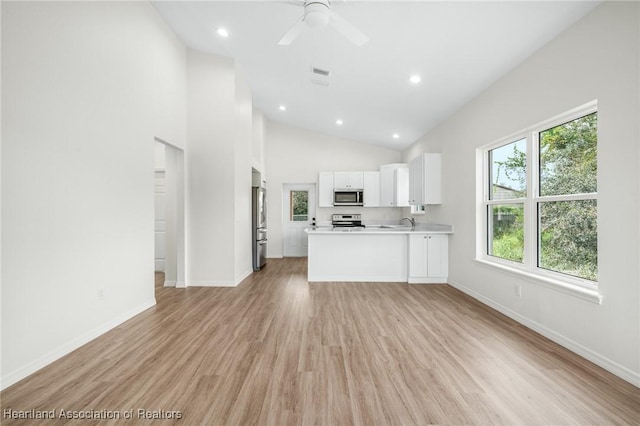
{"x": 348, "y": 180}
{"x": 425, "y": 179}
{"x": 325, "y": 189}
{"x": 401, "y": 187}
{"x": 387, "y": 188}
{"x": 394, "y": 185}
{"x": 371, "y": 189}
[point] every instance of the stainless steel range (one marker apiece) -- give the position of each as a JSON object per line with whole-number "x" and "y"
{"x": 347, "y": 221}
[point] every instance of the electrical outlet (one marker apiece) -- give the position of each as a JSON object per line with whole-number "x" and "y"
{"x": 518, "y": 289}
{"x": 100, "y": 294}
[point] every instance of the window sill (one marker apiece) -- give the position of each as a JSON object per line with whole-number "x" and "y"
{"x": 589, "y": 295}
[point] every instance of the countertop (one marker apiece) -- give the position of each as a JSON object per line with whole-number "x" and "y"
{"x": 384, "y": 229}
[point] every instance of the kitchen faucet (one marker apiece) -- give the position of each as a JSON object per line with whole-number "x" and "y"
{"x": 410, "y": 219}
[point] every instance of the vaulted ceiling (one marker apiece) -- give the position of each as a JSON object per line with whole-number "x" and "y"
{"x": 457, "y": 48}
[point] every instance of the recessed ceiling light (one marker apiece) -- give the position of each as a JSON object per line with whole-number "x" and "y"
{"x": 339, "y": 122}
{"x": 396, "y": 136}
{"x": 415, "y": 79}
{"x": 282, "y": 108}
{"x": 222, "y": 32}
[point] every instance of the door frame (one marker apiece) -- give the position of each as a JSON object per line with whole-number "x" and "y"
{"x": 286, "y": 206}
{"x": 174, "y": 215}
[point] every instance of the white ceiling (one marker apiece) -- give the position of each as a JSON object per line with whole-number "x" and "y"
{"x": 459, "y": 49}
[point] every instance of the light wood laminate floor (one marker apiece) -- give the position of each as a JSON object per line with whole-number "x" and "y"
{"x": 277, "y": 350}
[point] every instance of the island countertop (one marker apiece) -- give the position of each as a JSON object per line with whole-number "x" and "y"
{"x": 382, "y": 253}
{"x": 433, "y": 228}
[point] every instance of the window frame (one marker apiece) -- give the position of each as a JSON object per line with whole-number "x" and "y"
{"x": 530, "y": 262}
{"x": 488, "y": 202}
{"x": 292, "y": 216}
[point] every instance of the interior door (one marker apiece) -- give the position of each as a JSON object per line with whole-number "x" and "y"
{"x": 299, "y": 210}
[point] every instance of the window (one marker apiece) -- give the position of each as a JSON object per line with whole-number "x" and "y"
{"x": 507, "y": 188}
{"x": 299, "y": 206}
{"x": 417, "y": 209}
{"x": 539, "y": 204}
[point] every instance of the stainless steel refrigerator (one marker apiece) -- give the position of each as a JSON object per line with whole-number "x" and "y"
{"x": 259, "y": 225}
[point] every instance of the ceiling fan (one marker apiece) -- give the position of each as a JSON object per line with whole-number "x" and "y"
{"x": 318, "y": 14}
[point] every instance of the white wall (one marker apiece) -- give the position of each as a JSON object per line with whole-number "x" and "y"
{"x": 1, "y": 173}
{"x": 243, "y": 160}
{"x": 86, "y": 88}
{"x": 219, "y": 123}
{"x": 296, "y": 155}
{"x": 258, "y": 147}
{"x": 159, "y": 156}
{"x": 211, "y": 124}
{"x": 599, "y": 59}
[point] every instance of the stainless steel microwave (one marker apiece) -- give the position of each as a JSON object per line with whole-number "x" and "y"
{"x": 347, "y": 197}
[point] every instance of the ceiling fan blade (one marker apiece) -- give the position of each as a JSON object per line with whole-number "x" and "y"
{"x": 293, "y": 33}
{"x": 346, "y": 29}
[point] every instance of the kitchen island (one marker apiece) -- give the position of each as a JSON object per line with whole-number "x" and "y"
{"x": 385, "y": 253}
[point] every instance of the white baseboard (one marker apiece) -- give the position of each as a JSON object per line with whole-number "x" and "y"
{"x": 66, "y": 348}
{"x": 219, "y": 283}
{"x": 598, "y": 359}
{"x": 169, "y": 283}
{"x": 423, "y": 280}
{"x": 363, "y": 279}
{"x": 243, "y": 276}
{"x": 212, "y": 283}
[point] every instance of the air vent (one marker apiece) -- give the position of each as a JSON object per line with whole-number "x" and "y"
{"x": 320, "y": 82}
{"x": 320, "y": 71}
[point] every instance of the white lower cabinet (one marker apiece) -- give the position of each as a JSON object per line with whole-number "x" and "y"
{"x": 428, "y": 258}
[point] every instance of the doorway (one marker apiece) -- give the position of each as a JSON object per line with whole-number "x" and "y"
{"x": 299, "y": 211}
{"x": 169, "y": 215}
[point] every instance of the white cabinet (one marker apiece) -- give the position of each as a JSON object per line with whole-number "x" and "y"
{"x": 387, "y": 184}
{"x": 368, "y": 182}
{"x": 401, "y": 187}
{"x": 428, "y": 258}
{"x": 371, "y": 189}
{"x": 325, "y": 189}
{"x": 348, "y": 180}
{"x": 425, "y": 179}
{"x": 394, "y": 185}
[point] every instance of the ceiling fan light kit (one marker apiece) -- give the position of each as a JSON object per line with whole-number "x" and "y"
{"x": 318, "y": 14}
